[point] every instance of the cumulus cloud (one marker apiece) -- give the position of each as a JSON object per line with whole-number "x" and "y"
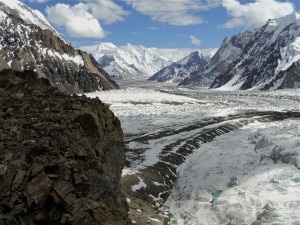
{"x": 107, "y": 10}
{"x": 195, "y": 40}
{"x": 256, "y": 13}
{"x": 83, "y": 19}
{"x": 77, "y": 19}
{"x": 175, "y": 12}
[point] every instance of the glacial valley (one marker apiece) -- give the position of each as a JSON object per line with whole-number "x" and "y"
{"x": 201, "y": 156}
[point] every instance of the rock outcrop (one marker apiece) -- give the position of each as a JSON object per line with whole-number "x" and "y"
{"x": 60, "y": 156}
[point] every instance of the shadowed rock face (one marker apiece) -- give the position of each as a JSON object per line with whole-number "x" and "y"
{"x": 229, "y": 51}
{"x": 60, "y": 156}
{"x": 26, "y": 46}
{"x": 270, "y": 59}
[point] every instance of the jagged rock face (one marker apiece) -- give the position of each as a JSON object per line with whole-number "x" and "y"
{"x": 229, "y": 51}
{"x": 270, "y": 59}
{"x": 60, "y": 156}
{"x": 28, "y": 46}
{"x": 177, "y": 72}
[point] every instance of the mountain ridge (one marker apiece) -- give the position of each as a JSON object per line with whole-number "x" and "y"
{"x": 229, "y": 51}
{"x": 29, "y": 42}
{"x": 271, "y": 58}
{"x": 178, "y": 71}
{"x": 266, "y": 58}
{"x": 136, "y": 61}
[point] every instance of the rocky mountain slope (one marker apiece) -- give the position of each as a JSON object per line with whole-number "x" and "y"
{"x": 60, "y": 156}
{"x": 178, "y": 71}
{"x": 229, "y": 52}
{"x": 270, "y": 60}
{"x": 28, "y": 42}
{"x": 132, "y": 61}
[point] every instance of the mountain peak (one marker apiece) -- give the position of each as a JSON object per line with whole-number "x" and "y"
{"x": 106, "y": 45}
{"x": 178, "y": 71}
{"x": 293, "y": 17}
{"x": 23, "y": 12}
{"x": 282, "y": 22}
{"x": 134, "y": 61}
{"x": 270, "y": 60}
{"x": 29, "y": 42}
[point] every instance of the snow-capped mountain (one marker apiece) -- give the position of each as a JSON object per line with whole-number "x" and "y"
{"x": 178, "y": 71}
{"x": 136, "y": 61}
{"x": 270, "y": 60}
{"x": 29, "y": 42}
{"x": 228, "y": 52}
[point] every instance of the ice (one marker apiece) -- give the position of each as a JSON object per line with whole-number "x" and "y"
{"x": 2, "y": 16}
{"x": 238, "y": 178}
{"x": 260, "y": 181}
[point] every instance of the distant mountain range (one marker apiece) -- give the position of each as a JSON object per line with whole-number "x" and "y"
{"x": 135, "y": 61}
{"x": 29, "y": 42}
{"x": 267, "y": 58}
{"x": 178, "y": 71}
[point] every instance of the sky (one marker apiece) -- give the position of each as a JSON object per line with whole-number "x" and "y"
{"x": 197, "y": 24}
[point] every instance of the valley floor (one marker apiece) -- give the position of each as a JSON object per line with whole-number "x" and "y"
{"x": 209, "y": 157}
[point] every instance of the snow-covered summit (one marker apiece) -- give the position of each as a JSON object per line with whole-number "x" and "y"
{"x": 29, "y": 42}
{"x": 178, "y": 71}
{"x": 270, "y": 60}
{"x": 20, "y": 10}
{"x": 264, "y": 58}
{"x": 229, "y": 51}
{"x": 136, "y": 61}
{"x": 283, "y": 21}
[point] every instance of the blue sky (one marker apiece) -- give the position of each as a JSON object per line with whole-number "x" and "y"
{"x": 158, "y": 23}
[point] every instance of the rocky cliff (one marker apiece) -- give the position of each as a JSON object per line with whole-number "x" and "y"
{"x": 60, "y": 156}
{"x": 270, "y": 59}
{"x": 28, "y": 42}
{"x": 229, "y": 51}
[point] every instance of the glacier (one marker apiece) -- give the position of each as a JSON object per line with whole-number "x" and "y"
{"x": 227, "y": 157}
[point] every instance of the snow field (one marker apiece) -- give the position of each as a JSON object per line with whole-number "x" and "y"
{"x": 254, "y": 170}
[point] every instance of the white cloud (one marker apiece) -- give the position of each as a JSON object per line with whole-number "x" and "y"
{"x": 256, "y": 13}
{"x": 106, "y": 10}
{"x": 77, "y": 19}
{"x": 174, "y": 12}
{"x": 38, "y": 1}
{"x": 195, "y": 40}
{"x": 83, "y": 19}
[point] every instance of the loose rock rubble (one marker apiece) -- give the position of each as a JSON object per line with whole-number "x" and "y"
{"x": 60, "y": 156}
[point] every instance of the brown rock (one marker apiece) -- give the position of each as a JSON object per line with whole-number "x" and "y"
{"x": 63, "y": 165}
{"x": 38, "y": 188}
